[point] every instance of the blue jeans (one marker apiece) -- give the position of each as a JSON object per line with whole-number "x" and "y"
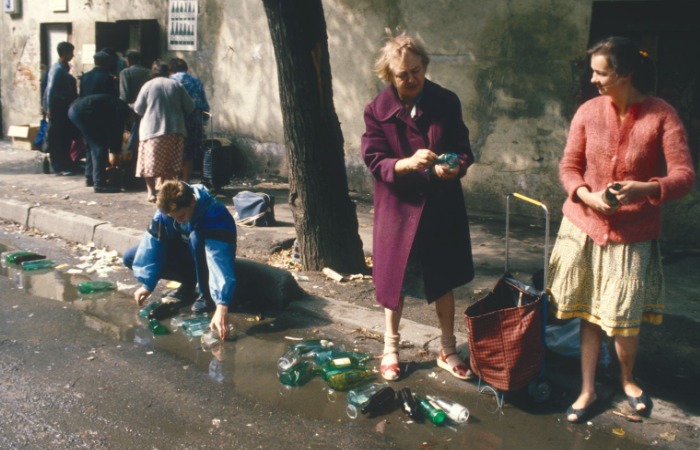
{"x": 184, "y": 262}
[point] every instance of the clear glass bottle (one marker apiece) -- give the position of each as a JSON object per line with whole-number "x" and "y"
{"x": 455, "y": 412}
{"x": 91, "y": 287}
{"x": 359, "y": 399}
{"x": 196, "y": 326}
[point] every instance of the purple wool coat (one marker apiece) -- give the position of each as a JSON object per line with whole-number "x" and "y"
{"x": 417, "y": 212}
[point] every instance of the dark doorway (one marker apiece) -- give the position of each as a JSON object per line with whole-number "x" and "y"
{"x": 122, "y": 35}
{"x": 668, "y": 31}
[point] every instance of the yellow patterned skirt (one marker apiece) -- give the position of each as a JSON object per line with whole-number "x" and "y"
{"x": 616, "y": 286}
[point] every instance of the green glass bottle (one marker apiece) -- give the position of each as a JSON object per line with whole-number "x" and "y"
{"x": 156, "y": 327}
{"x": 20, "y": 257}
{"x": 322, "y": 356}
{"x": 311, "y": 345}
{"x": 337, "y": 365}
{"x": 38, "y": 264}
{"x": 148, "y": 307}
{"x": 296, "y": 375}
{"x": 455, "y": 412}
{"x": 91, "y": 287}
{"x": 350, "y": 379}
{"x": 432, "y": 411}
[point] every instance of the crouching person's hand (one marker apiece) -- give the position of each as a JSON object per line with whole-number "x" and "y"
{"x": 219, "y": 322}
{"x": 140, "y": 295}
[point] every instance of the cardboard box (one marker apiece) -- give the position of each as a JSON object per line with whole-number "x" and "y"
{"x": 23, "y": 136}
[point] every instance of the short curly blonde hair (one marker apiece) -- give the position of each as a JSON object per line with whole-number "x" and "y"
{"x": 393, "y": 50}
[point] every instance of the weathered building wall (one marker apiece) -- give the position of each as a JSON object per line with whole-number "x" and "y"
{"x": 511, "y": 63}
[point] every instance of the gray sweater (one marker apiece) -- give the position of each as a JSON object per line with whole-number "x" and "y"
{"x": 162, "y": 103}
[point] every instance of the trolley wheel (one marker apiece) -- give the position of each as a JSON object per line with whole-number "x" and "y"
{"x": 539, "y": 390}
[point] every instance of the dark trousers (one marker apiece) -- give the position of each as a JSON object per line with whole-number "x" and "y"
{"x": 60, "y": 133}
{"x": 100, "y": 137}
{"x": 183, "y": 261}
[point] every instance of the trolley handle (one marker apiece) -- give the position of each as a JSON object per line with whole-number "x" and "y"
{"x": 546, "y": 235}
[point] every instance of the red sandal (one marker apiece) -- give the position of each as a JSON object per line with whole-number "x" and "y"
{"x": 390, "y": 372}
{"x": 460, "y": 371}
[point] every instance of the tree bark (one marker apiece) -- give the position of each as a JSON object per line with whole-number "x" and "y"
{"x": 324, "y": 215}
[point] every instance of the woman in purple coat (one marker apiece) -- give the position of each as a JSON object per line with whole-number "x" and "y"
{"x": 421, "y": 244}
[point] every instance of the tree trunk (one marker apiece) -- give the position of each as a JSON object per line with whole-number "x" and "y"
{"x": 324, "y": 215}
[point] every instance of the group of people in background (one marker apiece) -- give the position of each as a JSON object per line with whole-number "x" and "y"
{"x": 164, "y": 110}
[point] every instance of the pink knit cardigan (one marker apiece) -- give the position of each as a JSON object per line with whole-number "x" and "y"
{"x": 649, "y": 145}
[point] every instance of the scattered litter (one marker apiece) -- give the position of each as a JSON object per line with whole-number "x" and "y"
{"x": 149, "y": 352}
{"x": 670, "y": 437}
{"x": 90, "y": 358}
{"x": 74, "y": 271}
{"x": 432, "y": 375}
{"x": 357, "y": 276}
{"x": 618, "y": 431}
{"x": 91, "y": 203}
{"x": 300, "y": 277}
{"x": 332, "y": 274}
{"x": 294, "y": 338}
{"x": 216, "y": 422}
{"x": 631, "y": 417}
{"x": 172, "y": 285}
{"x": 381, "y": 426}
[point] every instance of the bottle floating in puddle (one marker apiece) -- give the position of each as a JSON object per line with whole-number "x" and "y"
{"x": 311, "y": 345}
{"x": 338, "y": 365}
{"x": 92, "y": 287}
{"x": 210, "y": 338}
{"x": 196, "y": 326}
{"x": 350, "y": 379}
{"x": 296, "y": 375}
{"x": 148, "y": 307}
{"x": 368, "y": 398}
{"x": 455, "y": 412}
{"x": 157, "y": 328}
{"x": 20, "y": 257}
{"x": 38, "y": 264}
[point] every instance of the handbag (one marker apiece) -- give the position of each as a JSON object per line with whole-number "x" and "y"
{"x": 254, "y": 209}
{"x": 78, "y": 147}
{"x": 41, "y": 135}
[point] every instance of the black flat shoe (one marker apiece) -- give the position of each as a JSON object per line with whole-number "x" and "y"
{"x": 644, "y": 400}
{"x": 583, "y": 414}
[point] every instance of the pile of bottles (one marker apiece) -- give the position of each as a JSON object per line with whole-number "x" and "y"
{"x": 346, "y": 371}
{"x": 342, "y": 370}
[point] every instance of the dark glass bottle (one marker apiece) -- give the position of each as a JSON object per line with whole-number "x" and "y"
{"x": 409, "y": 404}
{"x": 609, "y": 198}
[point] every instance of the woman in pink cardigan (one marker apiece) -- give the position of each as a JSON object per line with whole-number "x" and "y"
{"x": 605, "y": 267}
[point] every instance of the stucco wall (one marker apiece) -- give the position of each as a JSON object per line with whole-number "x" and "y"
{"x": 511, "y": 63}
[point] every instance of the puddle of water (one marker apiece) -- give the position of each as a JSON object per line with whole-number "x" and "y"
{"x": 248, "y": 365}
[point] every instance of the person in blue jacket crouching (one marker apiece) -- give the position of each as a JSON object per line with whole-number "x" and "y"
{"x": 191, "y": 239}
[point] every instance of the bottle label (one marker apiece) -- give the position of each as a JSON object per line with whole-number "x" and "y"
{"x": 342, "y": 362}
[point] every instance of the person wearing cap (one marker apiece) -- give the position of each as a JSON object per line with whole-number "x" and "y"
{"x": 191, "y": 239}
